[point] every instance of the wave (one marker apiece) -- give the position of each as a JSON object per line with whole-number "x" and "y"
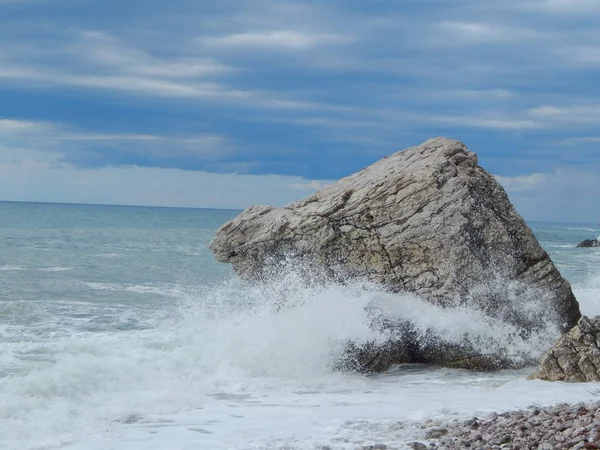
{"x": 9, "y": 268}
{"x": 168, "y": 291}
{"x": 251, "y": 349}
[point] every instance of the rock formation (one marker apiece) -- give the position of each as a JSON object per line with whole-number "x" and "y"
{"x": 588, "y": 243}
{"x": 576, "y": 355}
{"x": 427, "y": 220}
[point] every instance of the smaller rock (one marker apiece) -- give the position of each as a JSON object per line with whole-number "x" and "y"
{"x": 574, "y": 357}
{"x": 417, "y": 446}
{"x": 589, "y": 243}
{"x": 471, "y": 423}
{"x": 492, "y": 416}
{"x": 436, "y": 433}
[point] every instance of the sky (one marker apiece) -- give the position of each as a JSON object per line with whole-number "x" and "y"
{"x": 232, "y": 103}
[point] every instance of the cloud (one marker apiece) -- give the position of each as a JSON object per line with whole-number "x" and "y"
{"x": 97, "y": 60}
{"x": 572, "y": 114}
{"x": 313, "y": 89}
{"x": 276, "y": 40}
{"x": 14, "y": 126}
{"x": 565, "y": 195}
{"x": 521, "y": 183}
{"x": 313, "y": 185}
{"x": 63, "y": 145}
{"x": 593, "y": 140}
{"x": 30, "y": 181}
{"x": 565, "y": 6}
{"x": 474, "y": 33}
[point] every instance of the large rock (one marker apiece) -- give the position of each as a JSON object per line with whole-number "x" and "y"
{"x": 576, "y": 355}
{"x": 427, "y": 220}
{"x": 589, "y": 243}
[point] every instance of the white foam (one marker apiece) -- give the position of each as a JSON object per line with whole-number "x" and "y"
{"x": 9, "y": 268}
{"x": 588, "y": 295}
{"x": 235, "y": 367}
{"x": 164, "y": 290}
{"x": 54, "y": 269}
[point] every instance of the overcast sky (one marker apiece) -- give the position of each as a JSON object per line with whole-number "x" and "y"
{"x": 231, "y": 103}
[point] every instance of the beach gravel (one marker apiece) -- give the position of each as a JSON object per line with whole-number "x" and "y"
{"x": 551, "y": 428}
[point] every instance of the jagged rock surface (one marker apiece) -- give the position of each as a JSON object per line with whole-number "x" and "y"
{"x": 589, "y": 243}
{"x": 427, "y": 220}
{"x": 576, "y": 355}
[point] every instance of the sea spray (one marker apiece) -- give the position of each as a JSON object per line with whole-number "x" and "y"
{"x": 403, "y": 328}
{"x": 234, "y": 341}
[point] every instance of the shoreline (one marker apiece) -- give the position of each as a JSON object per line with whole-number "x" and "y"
{"x": 562, "y": 426}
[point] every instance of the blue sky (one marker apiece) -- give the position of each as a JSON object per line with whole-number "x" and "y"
{"x": 231, "y": 103}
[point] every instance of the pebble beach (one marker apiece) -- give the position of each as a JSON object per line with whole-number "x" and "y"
{"x": 557, "y": 427}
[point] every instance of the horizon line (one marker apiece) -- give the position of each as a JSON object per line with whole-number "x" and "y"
{"x": 203, "y": 208}
{"x": 118, "y": 205}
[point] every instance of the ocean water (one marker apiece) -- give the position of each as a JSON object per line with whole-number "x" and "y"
{"x": 118, "y": 330}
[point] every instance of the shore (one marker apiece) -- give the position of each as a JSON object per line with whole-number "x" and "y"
{"x": 561, "y": 426}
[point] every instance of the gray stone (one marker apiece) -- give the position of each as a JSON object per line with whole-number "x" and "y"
{"x": 436, "y": 433}
{"x": 575, "y": 357}
{"x": 427, "y": 220}
{"x": 417, "y": 446}
{"x": 492, "y": 416}
{"x": 589, "y": 243}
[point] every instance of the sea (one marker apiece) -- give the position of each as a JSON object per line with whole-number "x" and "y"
{"x": 119, "y": 331}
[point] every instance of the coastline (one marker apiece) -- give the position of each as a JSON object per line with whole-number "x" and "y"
{"x": 562, "y": 426}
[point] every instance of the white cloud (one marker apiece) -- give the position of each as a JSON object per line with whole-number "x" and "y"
{"x": 565, "y": 195}
{"x": 581, "y": 140}
{"x": 98, "y": 60}
{"x": 37, "y": 181}
{"x": 100, "y": 49}
{"x": 500, "y": 123}
{"x": 313, "y": 185}
{"x": 279, "y": 39}
{"x": 482, "y": 33}
{"x": 13, "y": 126}
{"x": 573, "y": 114}
{"x": 22, "y": 139}
{"x": 565, "y": 6}
{"x": 521, "y": 183}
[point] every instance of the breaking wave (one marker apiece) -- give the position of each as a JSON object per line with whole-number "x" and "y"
{"x": 230, "y": 339}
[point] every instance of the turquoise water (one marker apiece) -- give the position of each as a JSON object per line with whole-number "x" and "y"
{"x": 119, "y": 330}
{"x": 58, "y": 260}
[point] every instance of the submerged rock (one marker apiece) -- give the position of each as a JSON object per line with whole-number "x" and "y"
{"x": 576, "y": 355}
{"x": 427, "y": 220}
{"x": 588, "y": 243}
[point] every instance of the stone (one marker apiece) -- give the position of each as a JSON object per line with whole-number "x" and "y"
{"x": 589, "y": 243}
{"x": 575, "y": 357}
{"x": 417, "y": 446}
{"x": 427, "y": 221}
{"x": 492, "y": 416}
{"x": 436, "y": 433}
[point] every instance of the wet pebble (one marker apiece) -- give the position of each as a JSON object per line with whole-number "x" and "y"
{"x": 561, "y": 426}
